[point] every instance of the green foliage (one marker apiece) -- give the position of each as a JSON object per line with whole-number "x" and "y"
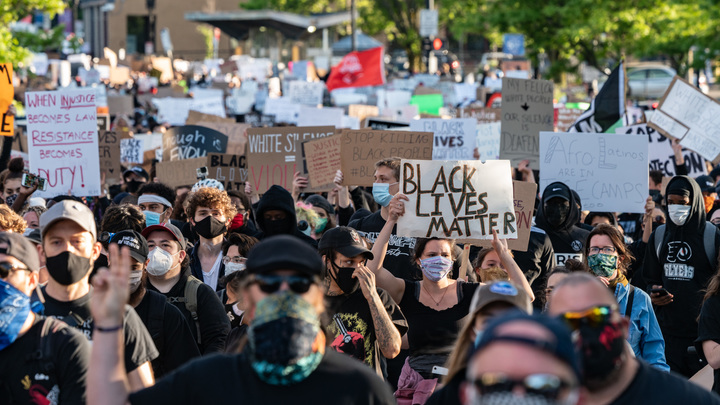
{"x": 207, "y": 32}
{"x": 41, "y": 41}
{"x": 12, "y": 11}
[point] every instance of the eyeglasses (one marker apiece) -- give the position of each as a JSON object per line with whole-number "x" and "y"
{"x": 271, "y": 284}
{"x": 6, "y": 268}
{"x": 234, "y": 259}
{"x": 546, "y": 385}
{"x": 608, "y": 250}
{"x": 593, "y": 317}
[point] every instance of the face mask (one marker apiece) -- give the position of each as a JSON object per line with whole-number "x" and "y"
{"x": 602, "y": 347}
{"x": 151, "y": 218}
{"x": 11, "y": 200}
{"x": 509, "y": 397}
{"x": 678, "y": 213}
{"x": 344, "y": 279}
{"x": 277, "y": 227}
{"x": 286, "y": 343}
{"x": 210, "y": 227}
{"x": 15, "y": 309}
{"x": 603, "y": 265}
{"x": 381, "y": 193}
{"x": 436, "y": 268}
{"x": 135, "y": 279}
{"x": 556, "y": 214}
{"x": 709, "y": 201}
{"x": 492, "y": 274}
{"x": 307, "y": 231}
{"x": 231, "y": 267}
{"x": 320, "y": 226}
{"x": 68, "y": 268}
{"x": 160, "y": 262}
{"x": 133, "y": 186}
{"x": 238, "y": 221}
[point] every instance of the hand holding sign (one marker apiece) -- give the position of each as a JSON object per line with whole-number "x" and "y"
{"x": 397, "y": 207}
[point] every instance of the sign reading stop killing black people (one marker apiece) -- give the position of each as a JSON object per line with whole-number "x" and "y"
{"x": 464, "y": 199}
{"x": 192, "y": 141}
{"x": 527, "y": 110}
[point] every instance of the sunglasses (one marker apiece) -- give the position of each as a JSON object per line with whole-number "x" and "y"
{"x": 271, "y": 284}
{"x": 594, "y": 317}
{"x": 7, "y": 268}
{"x": 546, "y": 385}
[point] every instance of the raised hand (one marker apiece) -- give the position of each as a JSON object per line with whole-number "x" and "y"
{"x": 111, "y": 289}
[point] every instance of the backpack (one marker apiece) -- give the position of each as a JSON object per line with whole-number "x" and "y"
{"x": 190, "y": 300}
{"x": 156, "y": 318}
{"x": 708, "y": 242}
{"x": 44, "y": 352}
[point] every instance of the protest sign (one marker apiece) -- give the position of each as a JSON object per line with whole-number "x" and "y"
{"x": 283, "y": 109}
{"x": 180, "y": 172}
{"x": 208, "y": 101}
{"x": 488, "y": 141}
{"x": 63, "y": 141}
{"x": 192, "y": 141}
{"x": 428, "y": 103}
{"x": 381, "y": 124}
{"x": 362, "y": 111}
{"x": 608, "y": 171}
{"x": 660, "y": 152}
{"x": 524, "y": 202}
{"x": 481, "y": 114}
{"x": 131, "y": 151}
{"x": 322, "y": 158}
{"x": 465, "y": 92}
{"x": 7, "y": 92}
{"x": 172, "y": 110}
{"x": 271, "y": 157}
{"x": 464, "y": 199}
{"x": 119, "y": 75}
{"x": 103, "y": 122}
{"x": 240, "y": 103}
{"x": 361, "y": 149}
{"x": 393, "y": 98}
{"x": 309, "y": 93}
{"x": 331, "y": 116}
{"x": 196, "y": 117}
{"x": 109, "y": 152}
{"x": 527, "y": 109}
{"x": 237, "y": 138}
{"x": 89, "y": 76}
{"x": 229, "y": 169}
{"x": 259, "y": 120}
{"x": 20, "y": 142}
{"x": 118, "y": 105}
{"x": 404, "y": 114}
{"x": 685, "y": 113}
{"x": 566, "y": 117}
{"x": 454, "y": 138}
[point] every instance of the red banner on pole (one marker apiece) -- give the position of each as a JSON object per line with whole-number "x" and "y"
{"x": 358, "y": 69}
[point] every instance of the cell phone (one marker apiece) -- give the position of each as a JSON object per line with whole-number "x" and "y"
{"x": 202, "y": 172}
{"x": 29, "y": 180}
{"x": 663, "y": 292}
{"x": 42, "y": 184}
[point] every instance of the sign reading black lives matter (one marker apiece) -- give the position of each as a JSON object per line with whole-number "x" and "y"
{"x": 464, "y": 199}
{"x": 192, "y": 141}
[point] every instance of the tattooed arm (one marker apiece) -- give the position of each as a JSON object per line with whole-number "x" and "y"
{"x": 387, "y": 335}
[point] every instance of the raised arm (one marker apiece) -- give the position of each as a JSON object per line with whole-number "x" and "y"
{"x": 513, "y": 270}
{"x": 385, "y": 280}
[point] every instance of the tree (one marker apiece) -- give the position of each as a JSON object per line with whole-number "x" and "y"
{"x": 12, "y": 11}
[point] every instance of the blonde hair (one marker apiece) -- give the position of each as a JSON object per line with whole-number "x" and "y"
{"x": 10, "y": 221}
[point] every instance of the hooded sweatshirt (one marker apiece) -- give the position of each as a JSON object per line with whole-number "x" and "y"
{"x": 568, "y": 240}
{"x": 277, "y": 198}
{"x": 682, "y": 266}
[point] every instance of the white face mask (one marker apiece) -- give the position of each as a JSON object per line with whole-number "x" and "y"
{"x": 678, "y": 213}
{"x": 231, "y": 267}
{"x": 160, "y": 262}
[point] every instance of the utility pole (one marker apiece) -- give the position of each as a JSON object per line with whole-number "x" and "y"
{"x": 353, "y": 27}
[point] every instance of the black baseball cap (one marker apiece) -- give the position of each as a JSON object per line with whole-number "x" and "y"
{"x": 284, "y": 252}
{"x": 136, "y": 242}
{"x": 346, "y": 241}
{"x": 19, "y": 247}
{"x": 556, "y": 189}
{"x": 167, "y": 228}
{"x": 706, "y": 183}
{"x": 317, "y": 200}
{"x": 137, "y": 170}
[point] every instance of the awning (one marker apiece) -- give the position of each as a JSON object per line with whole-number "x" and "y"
{"x": 362, "y": 43}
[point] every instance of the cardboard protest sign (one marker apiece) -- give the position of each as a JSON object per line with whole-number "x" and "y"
{"x": 454, "y": 138}
{"x": 7, "y": 92}
{"x": 259, "y": 120}
{"x": 566, "y": 117}
{"x": 308, "y": 93}
{"x": 237, "y": 138}
{"x": 428, "y": 103}
{"x": 362, "y": 111}
{"x": 329, "y": 116}
{"x": 63, "y": 141}
{"x": 660, "y": 152}
{"x": 687, "y": 114}
{"x": 229, "y": 169}
{"x": 608, "y": 171}
{"x": 103, "y": 122}
{"x": 361, "y": 149}
{"x": 180, "y": 172}
{"x": 131, "y": 151}
{"x": 192, "y": 141}
{"x": 488, "y": 140}
{"x": 322, "y": 157}
{"x": 527, "y": 110}
{"x": 109, "y": 152}
{"x": 196, "y": 117}
{"x": 271, "y": 157}
{"x": 20, "y": 142}
{"x": 382, "y": 124}
{"x": 118, "y": 105}
{"x": 464, "y": 199}
{"x": 481, "y": 114}
{"x": 524, "y": 202}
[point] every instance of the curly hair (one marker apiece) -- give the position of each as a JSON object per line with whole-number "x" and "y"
{"x": 392, "y": 163}
{"x": 211, "y": 198}
{"x": 14, "y": 171}
{"x": 121, "y": 217}
{"x": 37, "y": 209}
{"x": 10, "y": 221}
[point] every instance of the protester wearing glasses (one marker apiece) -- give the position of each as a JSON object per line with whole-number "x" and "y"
{"x": 612, "y": 375}
{"x": 284, "y": 361}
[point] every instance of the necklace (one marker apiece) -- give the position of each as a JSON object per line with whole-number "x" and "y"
{"x": 437, "y": 303}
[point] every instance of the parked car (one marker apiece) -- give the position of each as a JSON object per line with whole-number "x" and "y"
{"x": 647, "y": 82}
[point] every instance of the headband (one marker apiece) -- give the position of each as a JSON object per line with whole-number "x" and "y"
{"x": 149, "y": 198}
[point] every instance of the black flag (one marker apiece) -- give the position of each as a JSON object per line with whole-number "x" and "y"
{"x": 607, "y": 108}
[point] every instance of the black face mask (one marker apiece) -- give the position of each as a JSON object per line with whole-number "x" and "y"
{"x": 602, "y": 347}
{"x": 556, "y": 214}
{"x": 278, "y": 227}
{"x": 344, "y": 279}
{"x": 210, "y": 227}
{"x": 67, "y": 268}
{"x": 133, "y": 186}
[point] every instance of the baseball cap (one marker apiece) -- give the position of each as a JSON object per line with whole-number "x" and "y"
{"x": 17, "y": 246}
{"x": 561, "y": 343}
{"x": 137, "y": 170}
{"x": 316, "y": 200}
{"x": 136, "y": 242}
{"x": 167, "y": 228}
{"x": 72, "y": 210}
{"x": 283, "y": 252}
{"x": 556, "y": 189}
{"x": 346, "y": 241}
{"x": 706, "y": 183}
{"x": 33, "y": 236}
{"x": 500, "y": 291}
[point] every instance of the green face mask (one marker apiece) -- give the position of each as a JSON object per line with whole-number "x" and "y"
{"x": 321, "y": 224}
{"x": 603, "y": 265}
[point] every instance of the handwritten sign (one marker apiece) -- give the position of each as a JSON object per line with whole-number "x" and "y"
{"x": 362, "y": 148}
{"x": 196, "y": 117}
{"x": 362, "y": 111}
{"x": 524, "y": 202}
{"x": 323, "y": 159}
{"x": 326, "y": 116}
{"x": 393, "y": 98}
{"x": 309, "y": 93}
{"x": 7, "y": 92}
{"x": 237, "y": 138}
{"x": 488, "y": 140}
{"x": 131, "y": 151}
{"x": 566, "y": 117}
{"x": 103, "y": 122}
{"x": 454, "y": 139}
{"x": 180, "y": 172}
{"x": 109, "y": 152}
{"x": 608, "y": 171}
{"x": 192, "y": 141}
{"x": 405, "y": 113}
{"x": 172, "y": 110}
{"x": 118, "y": 105}
{"x": 230, "y": 170}
{"x": 63, "y": 141}
{"x": 464, "y": 199}
{"x": 527, "y": 110}
{"x": 482, "y": 115}
{"x": 283, "y": 109}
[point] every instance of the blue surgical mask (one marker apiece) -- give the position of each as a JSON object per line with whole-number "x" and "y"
{"x": 14, "y": 310}
{"x": 381, "y": 193}
{"x": 151, "y": 218}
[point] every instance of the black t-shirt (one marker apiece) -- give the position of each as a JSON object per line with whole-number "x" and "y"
{"x": 337, "y": 380}
{"x": 400, "y": 248}
{"x": 568, "y": 244}
{"x": 433, "y": 331}
{"x": 536, "y": 262}
{"x": 709, "y": 329}
{"x": 139, "y": 346}
{"x": 169, "y": 331}
{"x": 652, "y": 386}
{"x": 58, "y": 379}
{"x": 354, "y": 312}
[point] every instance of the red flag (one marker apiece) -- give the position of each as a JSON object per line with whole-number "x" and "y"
{"x": 358, "y": 69}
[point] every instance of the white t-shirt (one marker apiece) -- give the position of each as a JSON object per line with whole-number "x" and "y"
{"x": 211, "y": 277}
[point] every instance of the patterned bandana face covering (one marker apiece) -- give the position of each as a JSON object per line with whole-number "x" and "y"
{"x": 286, "y": 343}
{"x": 602, "y": 264}
{"x": 436, "y": 268}
{"x": 14, "y": 310}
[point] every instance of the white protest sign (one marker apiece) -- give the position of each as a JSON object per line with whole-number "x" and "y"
{"x": 608, "y": 171}
{"x": 40, "y": 63}
{"x": 465, "y": 200}
{"x": 454, "y": 139}
{"x": 488, "y": 140}
{"x": 131, "y": 151}
{"x": 101, "y": 99}
{"x": 89, "y": 76}
{"x": 63, "y": 141}
{"x": 313, "y": 116}
{"x": 173, "y": 110}
{"x": 405, "y": 113}
{"x": 283, "y": 109}
{"x": 393, "y": 98}
{"x": 350, "y": 122}
{"x": 404, "y": 84}
{"x": 240, "y": 103}
{"x": 465, "y": 92}
{"x": 208, "y": 101}
{"x": 310, "y": 93}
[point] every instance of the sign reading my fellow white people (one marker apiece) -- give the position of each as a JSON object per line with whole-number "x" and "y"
{"x": 63, "y": 141}
{"x": 454, "y": 139}
{"x": 463, "y": 199}
{"x": 608, "y": 171}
